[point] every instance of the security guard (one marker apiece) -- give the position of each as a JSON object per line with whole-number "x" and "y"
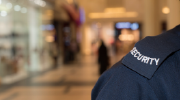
{"x": 150, "y": 71}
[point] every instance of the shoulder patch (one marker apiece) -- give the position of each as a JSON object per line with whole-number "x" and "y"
{"x": 149, "y": 53}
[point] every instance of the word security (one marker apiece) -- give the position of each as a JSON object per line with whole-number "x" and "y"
{"x": 142, "y": 58}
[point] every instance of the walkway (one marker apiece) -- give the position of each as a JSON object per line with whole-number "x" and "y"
{"x": 69, "y": 82}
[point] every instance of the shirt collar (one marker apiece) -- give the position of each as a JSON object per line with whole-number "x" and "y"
{"x": 149, "y": 53}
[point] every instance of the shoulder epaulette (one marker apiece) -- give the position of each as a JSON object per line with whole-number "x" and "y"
{"x": 149, "y": 53}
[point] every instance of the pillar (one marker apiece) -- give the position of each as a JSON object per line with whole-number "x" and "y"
{"x": 151, "y": 22}
{"x": 173, "y": 18}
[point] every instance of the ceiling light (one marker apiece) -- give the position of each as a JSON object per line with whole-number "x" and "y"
{"x": 3, "y": 13}
{"x": 115, "y": 10}
{"x": 113, "y": 15}
{"x": 119, "y": 12}
{"x": 17, "y": 8}
{"x": 166, "y": 10}
{"x": 9, "y": 5}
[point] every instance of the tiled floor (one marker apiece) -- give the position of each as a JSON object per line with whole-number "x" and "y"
{"x": 68, "y": 82}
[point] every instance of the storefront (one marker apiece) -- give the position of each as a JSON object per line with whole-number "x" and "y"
{"x": 22, "y": 38}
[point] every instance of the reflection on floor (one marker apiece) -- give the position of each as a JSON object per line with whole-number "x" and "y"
{"x": 68, "y": 82}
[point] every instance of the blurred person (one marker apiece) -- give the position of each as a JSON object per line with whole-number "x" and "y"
{"x": 73, "y": 49}
{"x": 150, "y": 71}
{"x": 103, "y": 58}
{"x": 67, "y": 48}
{"x": 54, "y": 53}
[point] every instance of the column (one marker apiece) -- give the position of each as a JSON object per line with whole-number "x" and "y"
{"x": 173, "y": 18}
{"x": 33, "y": 39}
{"x": 151, "y": 22}
{"x": 86, "y": 40}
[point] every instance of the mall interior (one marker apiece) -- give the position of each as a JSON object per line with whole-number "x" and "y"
{"x": 51, "y": 49}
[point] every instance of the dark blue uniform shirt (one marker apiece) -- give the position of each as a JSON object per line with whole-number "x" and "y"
{"x": 150, "y": 71}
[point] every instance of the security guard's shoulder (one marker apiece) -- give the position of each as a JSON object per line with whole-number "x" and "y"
{"x": 149, "y": 53}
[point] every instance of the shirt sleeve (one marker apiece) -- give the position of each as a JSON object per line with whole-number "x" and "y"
{"x": 122, "y": 83}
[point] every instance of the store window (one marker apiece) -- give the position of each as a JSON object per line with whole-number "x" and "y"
{"x": 21, "y": 36}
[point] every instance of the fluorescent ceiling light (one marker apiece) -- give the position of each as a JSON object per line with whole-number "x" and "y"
{"x": 119, "y": 12}
{"x": 113, "y": 15}
{"x": 115, "y": 10}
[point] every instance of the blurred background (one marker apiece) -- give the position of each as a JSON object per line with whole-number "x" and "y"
{"x": 57, "y": 49}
